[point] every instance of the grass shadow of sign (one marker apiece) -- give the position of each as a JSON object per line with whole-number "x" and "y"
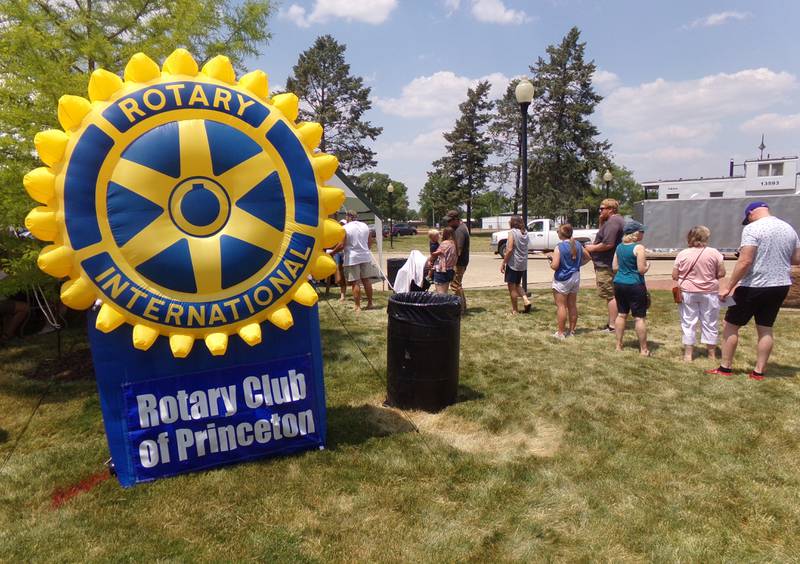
{"x": 353, "y": 425}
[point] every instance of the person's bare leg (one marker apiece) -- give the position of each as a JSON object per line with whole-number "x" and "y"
{"x": 619, "y": 328}
{"x": 15, "y": 320}
{"x": 764, "y": 348}
{"x": 730, "y": 340}
{"x": 441, "y": 288}
{"x": 342, "y": 284}
{"x": 512, "y": 292}
{"x": 688, "y": 353}
{"x": 356, "y": 286}
{"x": 520, "y": 292}
{"x": 641, "y": 333}
{"x": 561, "y": 311}
{"x": 612, "y": 312}
{"x": 712, "y": 352}
{"x": 572, "y": 306}
{"x": 368, "y": 291}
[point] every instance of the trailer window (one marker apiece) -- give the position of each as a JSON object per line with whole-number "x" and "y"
{"x": 777, "y": 169}
{"x": 715, "y": 194}
{"x": 672, "y": 196}
{"x": 763, "y": 169}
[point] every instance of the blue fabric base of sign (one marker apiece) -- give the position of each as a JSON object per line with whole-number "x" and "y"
{"x": 164, "y": 415}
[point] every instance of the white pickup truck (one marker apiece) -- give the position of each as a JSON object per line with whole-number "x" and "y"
{"x": 542, "y": 236}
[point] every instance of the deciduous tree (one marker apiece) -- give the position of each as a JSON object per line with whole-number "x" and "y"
{"x": 375, "y": 184}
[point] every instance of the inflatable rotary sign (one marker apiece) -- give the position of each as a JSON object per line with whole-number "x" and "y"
{"x": 193, "y": 207}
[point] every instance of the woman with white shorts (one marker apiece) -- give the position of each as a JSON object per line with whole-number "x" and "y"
{"x": 566, "y": 260}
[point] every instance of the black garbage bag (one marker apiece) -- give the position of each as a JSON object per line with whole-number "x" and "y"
{"x": 423, "y": 343}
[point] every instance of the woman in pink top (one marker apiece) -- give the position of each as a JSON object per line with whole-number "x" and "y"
{"x": 697, "y": 271}
{"x": 445, "y": 257}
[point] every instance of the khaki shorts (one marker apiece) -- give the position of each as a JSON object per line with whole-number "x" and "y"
{"x": 356, "y": 272}
{"x": 458, "y": 279}
{"x": 605, "y": 282}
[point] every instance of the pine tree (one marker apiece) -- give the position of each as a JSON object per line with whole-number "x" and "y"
{"x": 334, "y": 98}
{"x": 469, "y": 145}
{"x": 374, "y": 185}
{"x": 565, "y": 147}
{"x": 504, "y": 130}
{"x": 49, "y": 48}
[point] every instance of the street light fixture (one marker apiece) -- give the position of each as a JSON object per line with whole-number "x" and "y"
{"x": 608, "y": 177}
{"x": 390, "y": 189}
{"x": 524, "y": 94}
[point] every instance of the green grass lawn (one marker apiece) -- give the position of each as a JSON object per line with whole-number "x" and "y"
{"x": 556, "y": 450}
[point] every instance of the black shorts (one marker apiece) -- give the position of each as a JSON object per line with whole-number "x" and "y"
{"x": 631, "y": 298}
{"x": 513, "y": 276}
{"x": 761, "y": 303}
{"x": 443, "y": 277}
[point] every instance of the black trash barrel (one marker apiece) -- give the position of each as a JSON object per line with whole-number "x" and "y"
{"x": 423, "y": 344}
{"x": 392, "y": 266}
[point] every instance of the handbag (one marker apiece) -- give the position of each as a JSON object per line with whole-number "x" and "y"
{"x": 677, "y": 292}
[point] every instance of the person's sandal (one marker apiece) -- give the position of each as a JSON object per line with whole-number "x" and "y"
{"x": 527, "y": 308}
{"x": 756, "y": 375}
{"x": 718, "y": 371}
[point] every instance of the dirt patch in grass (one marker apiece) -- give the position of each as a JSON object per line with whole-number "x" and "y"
{"x": 466, "y": 436}
{"x": 74, "y": 365}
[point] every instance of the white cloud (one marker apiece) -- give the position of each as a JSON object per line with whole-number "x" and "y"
{"x": 766, "y": 123}
{"x": 720, "y": 18}
{"x": 365, "y": 11}
{"x": 452, "y": 6}
{"x": 708, "y": 99}
{"x": 438, "y": 95}
{"x": 605, "y": 81}
{"x": 495, "y": 11}
{"x": 425, "y": 146}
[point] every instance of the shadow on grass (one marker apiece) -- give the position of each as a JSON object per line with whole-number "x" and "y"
{"x": 465, "y": 393}
{"x": 354, "y": 425}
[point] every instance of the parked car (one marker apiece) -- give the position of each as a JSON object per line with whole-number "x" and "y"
{"x": 542, "y": 236}
{"x": 403, "y": 229}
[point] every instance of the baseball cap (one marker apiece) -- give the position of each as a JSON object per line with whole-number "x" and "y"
{"x": 750, "y": 207}
{"x": 451, "y": 215}
{"x": 633, "y": 226}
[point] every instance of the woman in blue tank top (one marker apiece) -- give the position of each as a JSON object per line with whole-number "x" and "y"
{"x": 630, "y": 266}
{"x": 568, "y": 257}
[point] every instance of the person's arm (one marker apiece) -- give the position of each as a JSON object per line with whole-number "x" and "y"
{"x": 675, "y": 273}
{"x": 721, "y": 267}
{"x": 796, "y": 256}
{"x": 641, "y": 259}
{"x": 586, "y": 258}
{"x": 599, "y": 247}
{"x": 615, "y": 263}
{"x": 555, "y": 259}
{"x": 744, "y": 263}
{"x": 509, "y": 252}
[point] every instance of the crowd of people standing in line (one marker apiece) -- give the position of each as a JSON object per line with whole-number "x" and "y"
{"x": 757, "y": 288}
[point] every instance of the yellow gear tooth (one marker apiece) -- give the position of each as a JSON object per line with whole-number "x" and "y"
{"x": 306, "y": 295}
{"x": 256, "y": 82}
{"x": 288, "y": 104}
{"x": 331, "y": 199}
{"x": 323, "y": 267}
{"x": 282, "y": 318}
{"x": 144, "y": 336}
{"x": 51, "y": 145}
{"x": 310, "y": 134}
{"x": 56, "y": 260}
{"x": 251, "y": 334}
{"x": 141, "y": 68}
{"x": 78, "y": 293}
{"x": 324, "y": 165}
{"x": 40, "y": 183}
{"x": 220, "y": 67}
{"x": 180, "y": 61}
{"x": 41, "y": 222}
{"x": 108, "y": 319}
{"x": 332, "y": 233}
{"x": 181, "y": 345}
{"x": 103, "y": 84}
{"x": 72, "y": 110}
{"x": 217, "y": 343}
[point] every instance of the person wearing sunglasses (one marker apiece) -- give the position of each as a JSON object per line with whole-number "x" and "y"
{"x": 608, "y": 237}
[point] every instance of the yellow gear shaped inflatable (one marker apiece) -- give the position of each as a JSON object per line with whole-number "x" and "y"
{"x": 191, "y": 204}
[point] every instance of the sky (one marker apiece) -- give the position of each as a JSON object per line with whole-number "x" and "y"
{"x": 687, "y": 85}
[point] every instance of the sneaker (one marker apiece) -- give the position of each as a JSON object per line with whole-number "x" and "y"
{"x": 718, "y": 371}
{"x": 608, "y": 329}
{"x": 559, "y": 336}
{"x": 755, "y": 375}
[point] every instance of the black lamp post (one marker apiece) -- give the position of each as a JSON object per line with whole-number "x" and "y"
{"x": 607, "y": 178}
{"x": 524, "y": 94}
{"x": 390, "y": 189}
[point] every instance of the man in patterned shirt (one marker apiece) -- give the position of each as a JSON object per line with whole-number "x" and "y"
{"x": 759, "y": 283}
